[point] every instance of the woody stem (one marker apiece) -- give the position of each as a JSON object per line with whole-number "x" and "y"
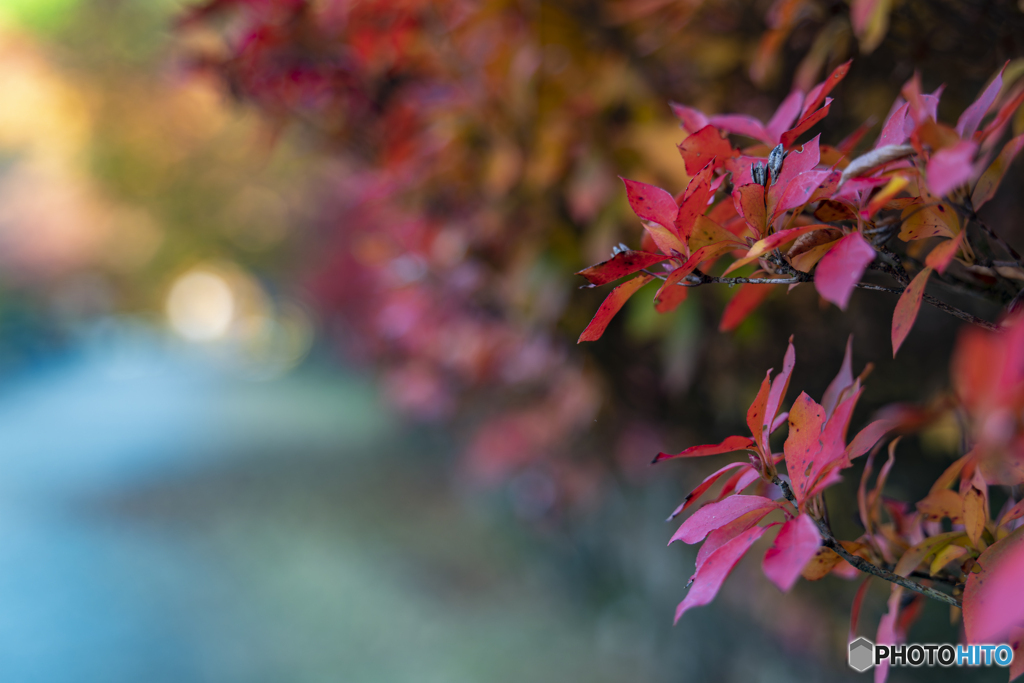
{"x": 829, "y": 541}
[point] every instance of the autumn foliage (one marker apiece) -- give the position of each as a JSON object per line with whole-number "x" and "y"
{"x": 475, "y": 164}
{"x": 823, "y": 215}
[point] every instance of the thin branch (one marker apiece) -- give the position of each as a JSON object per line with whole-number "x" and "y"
{"x": 829, "y": 541}
{"x": 697, "y": 279}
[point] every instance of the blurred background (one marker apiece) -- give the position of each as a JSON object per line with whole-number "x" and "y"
{"x": 288, "y": 382}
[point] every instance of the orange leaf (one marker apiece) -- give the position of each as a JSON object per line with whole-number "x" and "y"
{"x": 749, "y": 201}
{"x": 907, "y": 308}
{"x": 989, "y": 181}
{"x": 975, "y": 514}
{"x": 940, "y": 257}
{"x": 612, "y": 304}
{"x": 942, "y": 503}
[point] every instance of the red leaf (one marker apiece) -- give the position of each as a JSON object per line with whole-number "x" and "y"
{"x": 949, "y": 168}
{"x": 969, "y": 121}
{"x": 738, "y": 124}
{"x": 731, "y": 443}
{"x": 695, "y": 202}
{"x": 791, "y": 136}
{"x": 840, "y": 269}
{"x": 756, "y": 411}
{"x": 622, "y": 264}
{"x": 708, "y": 482}
{"x": 993, "y": 599}
{"x": 667, "y": 299}
{"x": 652, "y": 203}
{"x": 691, "y": 119}
{"x": 832, "y": 457}
{"x": 940, "y": 257}
{"x": 715, "y": 515}
{"x": 785, "y": 115}
{"x": 906, "y": 309}
{"x": 797, "y": 542}
{"x": 818, "y": 92}
{"x": 748, "y": 298}
{"x": 612, "y": 304}
{"x": 705, "y": 145}
{"x": 858, "y": 600}
{"x": 715, "y": 569}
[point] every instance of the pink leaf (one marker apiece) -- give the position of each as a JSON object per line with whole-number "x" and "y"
{"x": 652, "y": 203}
{"x": 993, "y": 599}
{"x": 691, "y": 119}
{"x": 796, "y": 163}
{"x": 622, "y": 264}
{"x": 949, "y": 168}
{"x": 888, "y": 631}
{"x": 612, "y": 304}
{"x": 906, "y": 309}
{"x": 969, "y": 121}
{"x": 716, "y": 569}
{"x": 785, "y": 115}
{"x": 746, "y": 126}
{"x": 842, "y": 380}
{"x": 803, "y": 188}
{"x": 869, "y": 436}
{"x": 708, "y": 482}
{"x": 778, "y": 392}
{"x": 715, "y": 515}
{"x": 797, "y": 542}
{"x": 894, "y": 131}
{"x": 732, "y": 443}
{"x": 841, "y": 268}
{"x": 722, "y": 535}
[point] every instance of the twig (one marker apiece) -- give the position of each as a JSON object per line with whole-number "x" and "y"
{"x": 829, "y": 541}
{"x": 697, "y": 279}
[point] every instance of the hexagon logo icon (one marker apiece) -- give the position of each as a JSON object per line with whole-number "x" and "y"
{"x": 862, "y": 654}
